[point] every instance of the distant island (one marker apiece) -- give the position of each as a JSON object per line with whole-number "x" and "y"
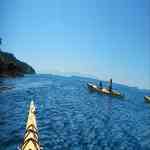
{"x": 10, "y": 66}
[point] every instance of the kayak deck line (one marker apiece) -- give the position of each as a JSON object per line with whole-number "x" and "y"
{"x": 104, "y": 90}
{"x": 31, "y": 140}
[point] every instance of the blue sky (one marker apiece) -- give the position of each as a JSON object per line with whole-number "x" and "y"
{"x": 104, "y": 38}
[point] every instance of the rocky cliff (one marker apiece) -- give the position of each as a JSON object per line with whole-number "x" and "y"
{"x": 11, "y": 66}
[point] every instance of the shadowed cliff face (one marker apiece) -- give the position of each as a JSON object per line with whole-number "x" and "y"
{"x": 10, "y": 66}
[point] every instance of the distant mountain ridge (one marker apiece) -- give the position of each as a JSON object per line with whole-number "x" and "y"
{"x": 11, "y": 66}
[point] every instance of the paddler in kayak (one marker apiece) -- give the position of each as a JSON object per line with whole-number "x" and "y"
{"x": 110, "y": 85}
{"x": 100, "y": 85}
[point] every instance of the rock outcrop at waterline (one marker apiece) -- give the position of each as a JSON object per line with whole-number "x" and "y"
{"x": 11, "y": 66}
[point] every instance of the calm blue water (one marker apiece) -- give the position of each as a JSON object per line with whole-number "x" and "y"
{"x": 70, "y": 117}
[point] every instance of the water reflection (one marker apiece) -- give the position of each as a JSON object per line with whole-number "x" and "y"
{"x": 4, "y": 86}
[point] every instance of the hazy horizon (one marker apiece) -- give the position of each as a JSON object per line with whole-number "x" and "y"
{"x": 106, "y": 39}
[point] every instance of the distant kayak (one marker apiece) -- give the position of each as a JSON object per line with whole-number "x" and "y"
{"x": 31, "y": 141}
{"x": 104, "y": 90}
{"x": 147, "y": 98}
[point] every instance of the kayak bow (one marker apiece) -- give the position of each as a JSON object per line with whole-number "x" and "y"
{"x": 31, "y": 141}
{"x": 147, "y": 99}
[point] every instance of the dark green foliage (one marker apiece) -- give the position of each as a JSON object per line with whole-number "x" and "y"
{"x": 10, "y": 66}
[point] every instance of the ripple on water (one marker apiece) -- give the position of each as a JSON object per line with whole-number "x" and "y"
{"x": 70, "y": 117}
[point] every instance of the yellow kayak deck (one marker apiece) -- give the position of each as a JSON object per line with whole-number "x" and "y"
{"x": 104, "y": 90}
{"x": 31, "y": 141}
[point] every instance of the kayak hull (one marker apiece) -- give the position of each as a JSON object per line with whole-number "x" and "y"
{"x": 147, "y": 99}
{"x": 104, "y": 91}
